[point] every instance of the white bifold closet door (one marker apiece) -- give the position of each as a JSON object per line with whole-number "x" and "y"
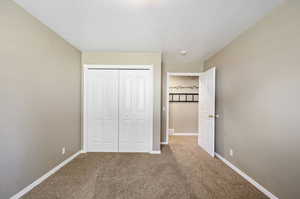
{"x": 119, "y": 111}
{"x": 134, "y": 111}
{"x": 102, "y": 108}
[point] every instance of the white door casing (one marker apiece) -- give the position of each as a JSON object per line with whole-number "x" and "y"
{"x": 206, "y": 138}
{"x": 102, "y": 110}
{"x": 134, "y": 111}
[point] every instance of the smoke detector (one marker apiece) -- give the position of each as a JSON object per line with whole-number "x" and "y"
{"x": 183, "y": 52}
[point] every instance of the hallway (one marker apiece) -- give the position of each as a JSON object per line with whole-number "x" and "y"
{"x": 182, "y": 171}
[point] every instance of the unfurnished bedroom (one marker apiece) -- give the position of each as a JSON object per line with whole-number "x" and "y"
{"x": 149, "y": 99}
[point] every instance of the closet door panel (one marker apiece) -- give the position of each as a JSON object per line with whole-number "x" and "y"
{"x": 134, "y": 111}
{"x": 102, "y": 107}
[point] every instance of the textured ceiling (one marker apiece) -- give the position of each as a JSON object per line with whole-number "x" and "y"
{"x": 202, "y": 27}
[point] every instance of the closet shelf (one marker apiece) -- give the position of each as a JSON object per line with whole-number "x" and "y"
{"x": 184, "y": 87}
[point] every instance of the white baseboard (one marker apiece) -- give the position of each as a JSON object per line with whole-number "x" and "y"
{"x": 44, "y": 177}
{"x": 248, "y": 178}
{"x": 155, "y": 152}
{"x": 164, "y": 143}
{"x": 185, "y": 134}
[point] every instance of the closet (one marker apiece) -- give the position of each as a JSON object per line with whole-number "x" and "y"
{"x": 118, "y": 104}
{"x": 183, "y": 105}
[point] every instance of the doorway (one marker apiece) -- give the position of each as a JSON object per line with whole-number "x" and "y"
{"x": 191, "y": 107}
{"x": 182, "y": 104}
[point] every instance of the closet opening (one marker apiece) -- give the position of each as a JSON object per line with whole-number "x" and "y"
{"x": 182, "y": 105}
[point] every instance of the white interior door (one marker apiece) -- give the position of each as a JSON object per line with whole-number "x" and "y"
{"x": 206, "y": 138}
{"x": 102, "y": 110}
{"x": 135, "y": 118}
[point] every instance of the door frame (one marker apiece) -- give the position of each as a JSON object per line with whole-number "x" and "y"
{"x": 86, "y": 67}
{"x": 169, "y": 74}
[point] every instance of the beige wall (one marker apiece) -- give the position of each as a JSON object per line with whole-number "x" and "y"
{"x": 40, "y": 99}
{"x": 176, "y": 66}
{"x": 183, "y": 116}
{"x": 121, "y": 58}
{"x": 258, "y": 95}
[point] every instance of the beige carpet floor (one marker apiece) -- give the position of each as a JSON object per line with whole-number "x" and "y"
{"x": 182, "y": 171}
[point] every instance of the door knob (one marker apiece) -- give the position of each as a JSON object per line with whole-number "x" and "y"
{"x": 214, "y": 116}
